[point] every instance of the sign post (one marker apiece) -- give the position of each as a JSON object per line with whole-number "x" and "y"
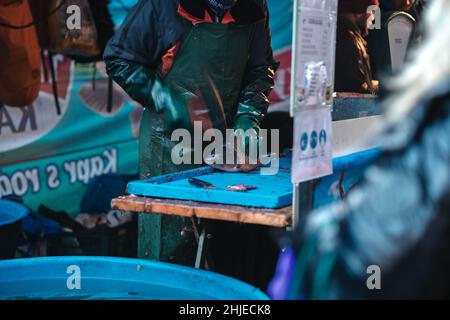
{"x": 313, "y": 55}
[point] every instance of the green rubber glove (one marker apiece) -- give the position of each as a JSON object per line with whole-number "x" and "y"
{"x": 175, "y": 111}
{"x": 143, "y": 85}
{"x": 250, "y": 139}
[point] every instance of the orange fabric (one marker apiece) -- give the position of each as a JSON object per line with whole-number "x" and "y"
{"x": 228, "y": 18}
{"x": 20, "y": 60}
{"x": 207, "y": 18}
{"x": 168, "y": 59}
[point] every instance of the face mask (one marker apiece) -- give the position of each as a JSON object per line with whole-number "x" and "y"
{"x": 221, "y": 6}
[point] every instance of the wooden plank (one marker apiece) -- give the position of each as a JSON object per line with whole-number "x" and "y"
{"x": 269, "y": 217}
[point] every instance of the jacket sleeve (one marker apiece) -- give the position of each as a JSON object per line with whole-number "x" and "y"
{"x": 137, "y": 80}
{"x": 260, "y": 73}
{"x": 133, "y": 53}
{"x": 138, "y": 39}
{"x": 380, "y": 220}
{"x": 130, "y": 54}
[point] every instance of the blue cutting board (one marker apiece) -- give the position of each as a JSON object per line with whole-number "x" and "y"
{"x": 272, "y": 191}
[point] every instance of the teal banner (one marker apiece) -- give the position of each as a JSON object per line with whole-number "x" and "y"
{"x": 49, "y": 158}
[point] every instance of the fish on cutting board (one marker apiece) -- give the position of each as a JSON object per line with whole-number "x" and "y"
{"x": 218, "y": 161}
{"x": 206, "y": 185}
{"x": 201, "y": 184}
{"x": 241, "y": 188}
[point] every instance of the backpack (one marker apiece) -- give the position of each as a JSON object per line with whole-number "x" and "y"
{"x": 104, "y": 26}
{"x": 20, "y": 60}
{"x": 81, "y": 40}
{"x": 82, "y": 45}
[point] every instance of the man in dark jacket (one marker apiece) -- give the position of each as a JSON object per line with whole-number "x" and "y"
{"x": 353, "y": 70}
{"x": 169, "y": 55}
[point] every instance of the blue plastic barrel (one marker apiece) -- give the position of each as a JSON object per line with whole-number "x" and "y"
{"x": 11, "y": 215}
{"x": 107, "y": 278}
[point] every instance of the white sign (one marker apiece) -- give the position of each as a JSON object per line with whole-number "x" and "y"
{"x": 312, "y": 155}
{"x": 314, "y": 41}
{"x": 314, "y": 46}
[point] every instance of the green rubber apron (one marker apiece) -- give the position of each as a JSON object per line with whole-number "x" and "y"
{"x": 211, "y": 60}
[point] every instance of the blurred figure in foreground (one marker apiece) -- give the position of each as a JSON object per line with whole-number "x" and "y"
{"x": 353, "y": 70}
{"x": 397, "y": 220}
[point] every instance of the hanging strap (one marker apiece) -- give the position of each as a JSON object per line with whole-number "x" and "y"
{"x": 94, "y": 76}
{"x": 110, "y": 94}
{"x": 44, "y": 66}
{"x": 54, "y": 84}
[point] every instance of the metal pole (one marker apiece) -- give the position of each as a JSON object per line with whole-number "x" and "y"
{"x": 294, "y": 57}
{"x": 303, "y": 201}
{"x": 295, "y": 207}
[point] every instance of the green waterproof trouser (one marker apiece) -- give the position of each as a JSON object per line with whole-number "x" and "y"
{"x": 211, "y": 56}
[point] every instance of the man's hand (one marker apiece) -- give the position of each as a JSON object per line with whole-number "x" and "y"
{"x": 165, "y": 101}
{"x": 248, "y": 130}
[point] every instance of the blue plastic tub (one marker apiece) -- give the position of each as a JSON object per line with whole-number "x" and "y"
{"x": 11, "y": 215}
{"x": 116, "y": 279}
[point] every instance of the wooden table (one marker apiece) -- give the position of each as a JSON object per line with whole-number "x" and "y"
{"x": 269, "y": 217}
{"x": 280, "y": 218}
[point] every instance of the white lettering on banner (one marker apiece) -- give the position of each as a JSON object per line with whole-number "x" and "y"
{"x": 33, "y": 176}
{"x": 25, "y": 119}
{"x": 111, "y": 156}
{"x": 96, "y": 167}
{"x": 5, "y": 186}
{"x": 21, "y": 182}
{"x": 53, "y": 180}
{"x": 83, "y": 170}
{"x": 71, "y": 169}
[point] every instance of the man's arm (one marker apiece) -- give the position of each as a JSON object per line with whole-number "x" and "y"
{"x": 137, "y": 80}
{"x": 132, "y": 55}
{"x": 259, "y": 79}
